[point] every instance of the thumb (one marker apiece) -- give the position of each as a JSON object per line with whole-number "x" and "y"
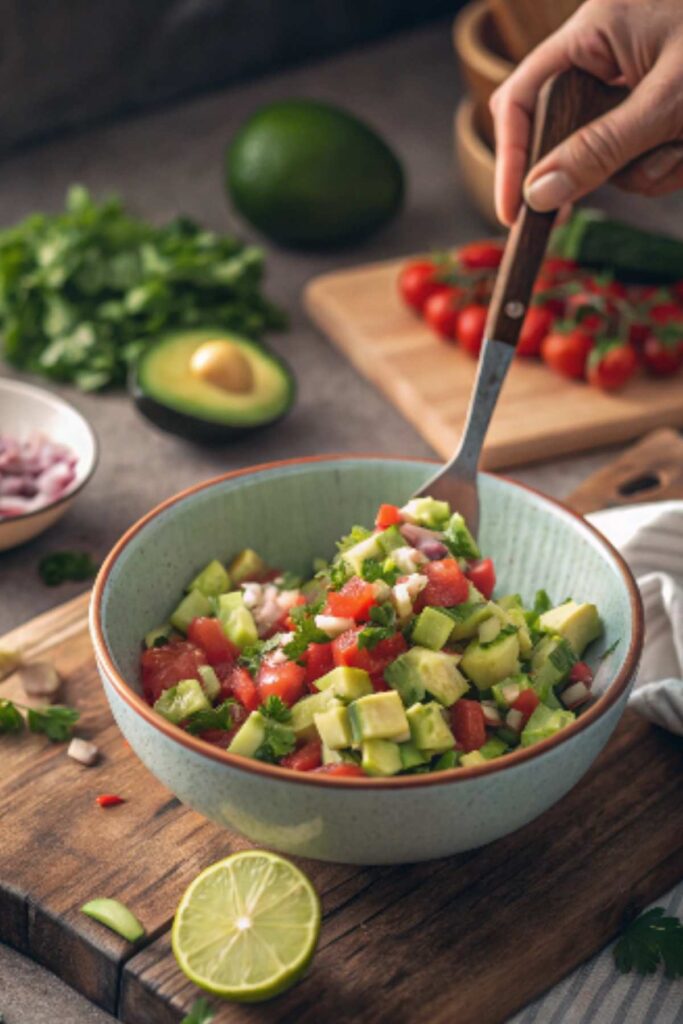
{"x": 597, "y": 151}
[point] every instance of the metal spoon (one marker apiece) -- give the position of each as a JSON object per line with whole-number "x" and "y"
{"x": 566, "y": 102}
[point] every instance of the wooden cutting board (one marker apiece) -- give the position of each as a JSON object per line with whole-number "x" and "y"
{"x": 540, "y": 415}
{"x": 438, "y": 941}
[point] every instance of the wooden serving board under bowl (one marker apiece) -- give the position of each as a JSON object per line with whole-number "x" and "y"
{"x": 471, "y": 938}
{"x": 540, "y": 414}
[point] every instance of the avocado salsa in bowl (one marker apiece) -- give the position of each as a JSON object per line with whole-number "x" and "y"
{"x": 328, "y": 745}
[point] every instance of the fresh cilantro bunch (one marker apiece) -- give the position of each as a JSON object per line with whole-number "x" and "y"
{"x": 56, "y": 721}
{"x": 382, "y": 626}
{"x": 83, "y": 291}
{"x": 66, "y": 565}
{"x": 651, "y": 939}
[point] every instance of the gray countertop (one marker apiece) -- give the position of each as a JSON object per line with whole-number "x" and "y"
{"x": 169, "y": 162}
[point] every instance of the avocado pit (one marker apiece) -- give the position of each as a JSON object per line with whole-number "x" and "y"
{"x": 221, "y": 363}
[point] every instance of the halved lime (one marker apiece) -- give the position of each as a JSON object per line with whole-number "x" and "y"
{"x": 247, "y": 927}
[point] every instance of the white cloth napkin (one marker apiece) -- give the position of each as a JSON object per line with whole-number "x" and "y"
{"x": 650, "y": 537}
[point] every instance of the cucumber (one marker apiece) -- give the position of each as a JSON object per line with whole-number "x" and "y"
{"x": 593, "y": 240}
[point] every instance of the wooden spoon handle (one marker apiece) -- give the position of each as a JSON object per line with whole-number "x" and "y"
{"x": 566, "y": 102}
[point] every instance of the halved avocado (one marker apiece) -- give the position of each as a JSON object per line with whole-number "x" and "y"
{"x": 207, "y": 384}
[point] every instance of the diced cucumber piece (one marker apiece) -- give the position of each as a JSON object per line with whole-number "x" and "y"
{"x": 473, "y": 758}
{"x": 545, "y": 722}
{"x": 370, "y": 547}
{"x": 304, "y": 712}
{"x": 334, "y": 727}
{"x": 420, "y": 671}
{"x": 426, "y": 512}
{"x": 494, "y": 747}
{"x": 514, "y": 616}
{"x": 194, "y": 605}
{"x": 551, "y": 664}
{"x": 411, "y": 757}
{"x": 250, "y": 736}
{"x": 432, "y": 629}
{"x": 346, "y": 683}
{"x": 459, "y": 540}
{"x": 212, "y": 580}
{"x": 428, "y": 729}
{"x": 447, "y": 760}
{"x": 506, "y": 692}
{"x": 237, "y": 621}
{"x": 379, "y": 716}
{"x": 487, "y": 664}
{"x": 247, "y": 565}
{"x": 182, "y": 700}
{"x": 489, "y": 630}
{"x": 210, "y": 681}
{"x": 381, "y": 757}
{"x": 159, "y": 636}
{"x": 579, "y": 624}
{"x": 468, "y": 616}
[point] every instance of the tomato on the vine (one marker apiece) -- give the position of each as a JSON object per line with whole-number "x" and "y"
{"x": 611, "y": 365}
{"x": 417, "y": 281}
{"x": 662, "y": 356}
{"x": 567, "y": 353}
{"x": 470, "y": 328}
{"x": 441, "y": 311}
{"x": 537, "y": 324}
{"x": 481, "y": 255}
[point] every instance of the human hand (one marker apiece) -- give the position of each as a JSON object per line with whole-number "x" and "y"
{"x": 637, "y": 43}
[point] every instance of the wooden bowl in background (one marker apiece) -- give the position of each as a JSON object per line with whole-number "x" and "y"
{"x": 482, "y": 57}
{"x": 523, "y": 24}
{"x": 475, "y": 158}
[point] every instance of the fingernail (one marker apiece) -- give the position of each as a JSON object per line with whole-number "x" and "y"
{"x": 550, "y": 191}
{"x": 661, "y": 162}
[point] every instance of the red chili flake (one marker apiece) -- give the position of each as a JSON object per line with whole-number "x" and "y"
{"x": 109, "y": 800}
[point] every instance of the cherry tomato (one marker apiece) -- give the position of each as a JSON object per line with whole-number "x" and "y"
{"x": 481, "y": 255}
{"x": 285, "y": 680}
{"x": 417, "y": 281}
{"x": 567, "y": 354}
{"x": 341, "y": 770}
{"x": 447, "y": 585}
{"x": 468, "y": 724}
{"x": 611, "y": 369}
{"x": 581, "y": 673}
{"x": 305, "y": 759}
{"x": 208, "y": 634}
{"x": 244, "y": 689}
{"x": 163, "y": 667}
{"x": 470, "y": 328}
{"x": 482, "y": 575}
{"x": 666, "y": 313}
{"x": 387, "y": 515}
{"x": 662, "y": 358}
{"x": 441, "y": 311}
{"x": 537, "y": 324}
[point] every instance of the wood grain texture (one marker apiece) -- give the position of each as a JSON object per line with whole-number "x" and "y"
{"x": 540, "y": 415}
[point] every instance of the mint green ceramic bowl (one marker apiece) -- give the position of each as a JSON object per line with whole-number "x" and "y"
{"x": 291, "y": 512}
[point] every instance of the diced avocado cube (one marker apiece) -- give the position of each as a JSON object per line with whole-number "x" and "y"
{"x": 181, "y": 701}
{"x": 379, "y": 716}
{"x": 579, "y": 624}
{"x": 210, "y": 682}
{"x": 346, "y": 683}
{"x": 420, "y": 671}
{"x": 212, "y": 580}
{"x": 194, "y": 605}
{"x": 250, "y": 736}
{"x": 381, "y": 757}
{"x": 459, "y": 540}
{"x": 447, "y": 760}
{"x": 411, "y": 757}
{"x": 228, "y": 603}
{"x": 432, "y": 629}
{"x": 247, "y": 565}
{"x": 240, "y": 628}
{"x": 493, "y": 747}
{"x": 428, "y": 729}
{"x": 468, "y": 616}
{"x": 426, "y": 512}
{"x": 506, "y": 692}
{"x": 334, "y": 727}
{"x": 370, "y": 547}
{"x": 487, "y": 664}
{"x": 551, "y": 664}
{"x": 159, "y": 636}
{"x": 515, "y": 616}
{"x": 474, "y": 757}
{"x": 545, "y": 722}
{"x": 489, "y": 630}
{"x": 304, "y": 712}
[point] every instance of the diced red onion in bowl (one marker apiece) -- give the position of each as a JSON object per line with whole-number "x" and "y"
{"x": 427, "y": 541}
{"x": 34, "y": 473}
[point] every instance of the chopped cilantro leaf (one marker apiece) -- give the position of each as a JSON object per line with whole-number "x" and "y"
{"x": 56, "y": 721}
{"x": 358, "y": 533}
{"x": 11, "y": 720}
{"x": 252, "y": 655}
{"x": 306, "y": 631}
{"x": 610, "y": 650}
{"x": 650, "y": 940}
{"x": 201, "y": 1012}
{"x": 219, "y": 717}
{"x": 279, "y": 740}
{"x": 383, "y": 626}
{"x": 275, "y": 708}
{"x": 373, "y": 570}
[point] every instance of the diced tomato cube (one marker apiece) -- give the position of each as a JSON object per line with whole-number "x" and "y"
{"x": 351, "y": 771}
{"x": 209, "y": 635}
{"x": 319, "y": 661}
{"x": 468, "y": 724}
{"x": 482, "y": 575}
{"x": 163, "y": 667}
{"x": 447, "y": 585}
{"x": 526, "y": 703}
{"x": 347, "y": 652}
{"x": 305, "y": 759}
{"x": 244, "y": 689}
{"x": 285, "y": 680}
{"x": 387, "y": 515}
{"x": 581, "y": 673}
{"x": 353, "y": 601}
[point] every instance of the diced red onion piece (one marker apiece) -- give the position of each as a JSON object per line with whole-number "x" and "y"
{"x": 514, "y": 720}
{"x": 491, "y": 714}
{"x": 34, "y": 473}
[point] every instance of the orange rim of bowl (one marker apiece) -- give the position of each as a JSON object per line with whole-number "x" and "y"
{"x": 470, "y": 47}
{"x": 287, "y": 775}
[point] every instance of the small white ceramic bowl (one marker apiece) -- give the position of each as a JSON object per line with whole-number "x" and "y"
{"x": 26, "y": 409}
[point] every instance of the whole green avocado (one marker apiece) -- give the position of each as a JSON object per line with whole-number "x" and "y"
{"x": 309, "y": 174}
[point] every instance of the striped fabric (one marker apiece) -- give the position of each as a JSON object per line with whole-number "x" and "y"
{"x": 651, "y": 539}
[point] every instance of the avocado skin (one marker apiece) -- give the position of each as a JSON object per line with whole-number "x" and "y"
{"x": 194, "y": 428}
{"x": 308, "y": 174}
